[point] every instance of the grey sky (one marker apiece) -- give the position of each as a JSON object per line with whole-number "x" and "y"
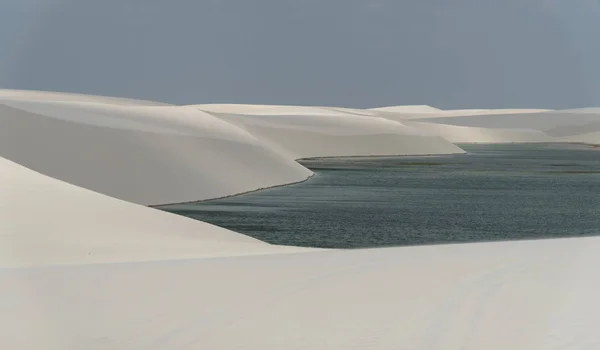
{"x": 355, "y": 53}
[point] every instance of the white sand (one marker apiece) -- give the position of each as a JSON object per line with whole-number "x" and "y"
{"x": 398, "y": 113}
{"x": 47, "y": 221}
{"x": 408, "y": 109}
{"x": 275, "y": 110}
{"x": 505, "y": 125}
{"x": 584, "y": 133}
{"x": 142, "y": 154}
{"x": 593, "y": 110}
{"x": 32, "y": 95}
{"x": 304, "y": 132}
{"x": 539, "y": 121}
{"x": 592, "y": 138}
{"x": 169, "y": 282}
{"x": 470, "y": 134}
{"x": 518, "y": 295}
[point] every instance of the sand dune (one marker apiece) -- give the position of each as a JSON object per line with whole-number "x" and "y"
{"x": 592, "y": 138}
{"x": 46, "y": 221}
{"x": 305, "y": 132}
{"x": 408, "y": 109}
{"x": 575, "y": 131}
{"x": 513, "y": 295}
{"x": 32, "y": 95}
{"x": 539, "y": 121}
{"x": 401, "y": 113}
{"x": 470, "y": 134}
{"x": 593, "y": 110}
{"x": 505, "y": 125}
{"x": 244, "y": 109}
{"x": 142, "y": 154}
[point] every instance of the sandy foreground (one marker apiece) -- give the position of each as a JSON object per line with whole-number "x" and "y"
{"x": 83, "y": 265}
{"x": 517, "y": 295}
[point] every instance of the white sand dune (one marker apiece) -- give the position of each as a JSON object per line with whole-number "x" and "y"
{"x": 402, "y": 113}
{"x": 305, "y": 132}
{"x": 552, "y": 126}
{"x": 470, "y": 134}
{"x": 495, "y": 296}
{"x": 539, "y": 121}
{"x": 276, "y": 110}
{"x": 408, "y": 109}
{"x": 506, "y": 125}
{"x": 142, "y": 154}
{"x": 592, "y": 138}
{"x": 584, "y": 133}
{"x": 593, "y": 110}
{"x": 46, "y": 221}
{"x": 32, "y": 95}
{"x": 465, "y": 112}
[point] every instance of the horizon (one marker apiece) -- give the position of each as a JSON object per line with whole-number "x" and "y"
{"x": 467, "y": 54}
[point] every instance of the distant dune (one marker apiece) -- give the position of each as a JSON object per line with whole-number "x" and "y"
{"x": 401, "y": 114}
{"x": 328, "y": 132}
{"x": 504, "y": 125}
{"x": 408, "y": 109}
{"x": 592, "y": 138}
{"x": 542, "y": 121}
{"x": 32, "y": 95}
{"x": 471, "y": 134}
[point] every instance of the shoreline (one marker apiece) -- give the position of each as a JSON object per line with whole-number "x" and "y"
{"x": 479, "y": 156}
{"x": 299, "y": 161}
{"x": 589, "y": 146}
{"x": 158, "y": 206}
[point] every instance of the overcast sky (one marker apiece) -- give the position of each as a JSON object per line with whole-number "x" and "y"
{"x": 354, "y": 53}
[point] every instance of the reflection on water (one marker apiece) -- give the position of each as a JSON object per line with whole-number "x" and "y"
{"x": 496, "y": 192}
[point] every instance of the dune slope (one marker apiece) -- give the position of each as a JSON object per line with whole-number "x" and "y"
{"x": 46, "y": 221}
{"x": 471, "y": 134}
{"x": 505, "y": 125}
{"x": 539, "y": 121}
{"x": 305, "y": 132}
{"x": 142, "y": 154}
{"x": 408, "y": 109}
{"x": 32, "y": 95}
{"x": 407, "y": 113}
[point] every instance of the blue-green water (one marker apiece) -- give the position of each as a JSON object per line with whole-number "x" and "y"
{"x": 495, "y": 192}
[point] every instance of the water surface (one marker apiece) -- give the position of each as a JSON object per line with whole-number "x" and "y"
{"x": 495, "y": 192}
